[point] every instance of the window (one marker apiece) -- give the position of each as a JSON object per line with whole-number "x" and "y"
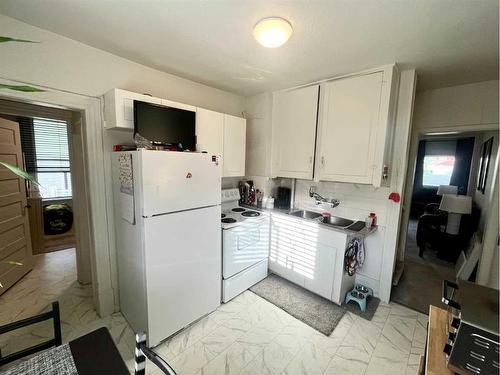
{"x": 438, "y": 170}
{"x": 52, "y": 157}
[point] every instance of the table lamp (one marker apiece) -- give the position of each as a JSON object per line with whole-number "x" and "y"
{"x": 456, "y": 206}
{"x": 447, "y": 189}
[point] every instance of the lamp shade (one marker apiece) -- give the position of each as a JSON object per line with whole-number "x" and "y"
{"x": 447, "y": 189}
{"x": 459, "y": 204}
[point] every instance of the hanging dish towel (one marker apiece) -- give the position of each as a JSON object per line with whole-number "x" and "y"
{"x": 354, "y": 255}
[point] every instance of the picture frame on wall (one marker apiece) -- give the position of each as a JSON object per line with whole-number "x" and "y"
{"x": 484, "y": 164}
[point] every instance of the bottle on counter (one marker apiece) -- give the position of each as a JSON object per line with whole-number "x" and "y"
{"x": 260, "y": 196}
{"x": 371, "y": 220}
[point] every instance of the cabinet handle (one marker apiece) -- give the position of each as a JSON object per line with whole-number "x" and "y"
{"x": 323, "y": 161}
{"x": 310, "y": 159}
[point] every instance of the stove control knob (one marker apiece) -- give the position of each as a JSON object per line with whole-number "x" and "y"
{"x": 447, "y": 349}
{"x": 455, "y": 323}
{"x": 452, "y": 336}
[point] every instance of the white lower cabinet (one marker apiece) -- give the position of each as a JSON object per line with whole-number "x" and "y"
{"x": 309, "y": 255}
{"x": 320, "y": 281}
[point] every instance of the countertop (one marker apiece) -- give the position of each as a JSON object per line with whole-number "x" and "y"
{"x": 362, "y": 233}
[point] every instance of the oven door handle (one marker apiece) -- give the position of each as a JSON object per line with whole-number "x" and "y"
{"x": 447, "y": 300}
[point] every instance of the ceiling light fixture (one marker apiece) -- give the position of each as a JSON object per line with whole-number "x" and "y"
{"x": 272, "y": 32}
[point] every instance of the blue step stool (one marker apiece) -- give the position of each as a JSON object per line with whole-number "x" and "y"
{"x": 359, "y": 294}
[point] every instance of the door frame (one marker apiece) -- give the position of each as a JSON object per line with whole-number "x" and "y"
{"x": 416, "y": 136}
{"x": 104, "y": 281}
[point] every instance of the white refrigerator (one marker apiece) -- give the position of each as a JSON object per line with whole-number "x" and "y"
{"x": 168, "y": 238}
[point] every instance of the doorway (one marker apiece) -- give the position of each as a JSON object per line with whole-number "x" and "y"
{"x": 430, "y": 249}
{"x": 45, "y": 249}
{"x": 47, "y": 143}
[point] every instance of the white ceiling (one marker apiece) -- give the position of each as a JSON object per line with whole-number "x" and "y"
{"x": 449, "y": 42}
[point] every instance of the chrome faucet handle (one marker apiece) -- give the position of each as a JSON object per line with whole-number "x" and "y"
{"x": 312, "y": 190}
{"x": 335, "y": 202}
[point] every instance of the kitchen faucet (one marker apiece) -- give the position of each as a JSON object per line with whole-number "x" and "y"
{"x": 320, "y": 199}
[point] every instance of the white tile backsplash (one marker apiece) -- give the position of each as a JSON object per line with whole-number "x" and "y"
{"x": 356, "y": 201}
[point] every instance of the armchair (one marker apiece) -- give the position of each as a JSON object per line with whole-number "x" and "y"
{"x": 430, "y": 230}
{"x": 429, "y": 226}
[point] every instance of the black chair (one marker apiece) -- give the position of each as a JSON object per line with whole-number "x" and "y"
{"x": 430, "y": 231}
{"x": 56, "y": 341}
{"x": 429, "y": 226}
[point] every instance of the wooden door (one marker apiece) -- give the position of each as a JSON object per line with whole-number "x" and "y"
{"x": 349, "y": 123}
{"x": 234, "y": 146}
{"x": 15, "y": 243}
{"x": 294, "y": 123}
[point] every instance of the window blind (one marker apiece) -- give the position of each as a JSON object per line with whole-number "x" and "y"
{"x": 46, "y": 153}
{"x": 51, "y": 145}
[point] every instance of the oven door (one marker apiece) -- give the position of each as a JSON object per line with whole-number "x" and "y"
{"x": 244, "y": 246}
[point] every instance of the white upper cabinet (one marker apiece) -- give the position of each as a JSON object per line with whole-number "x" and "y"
{"x": 119, "y": 107}
{"x": 209, "y": 131}
{"x": 354, "y": 127}
{"x": 294, "y": 132}
{"x": 225, "y": 135}
{"x": 234, "y": 143}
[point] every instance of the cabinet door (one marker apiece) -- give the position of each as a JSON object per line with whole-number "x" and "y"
{"x": 234, "y": 146}
{"x": 349, "y": 123}
{"x": 283, "y": 259}
{"x": 119, "y": 108}
{"x": 209, "y": 131}
{"x": 323, "y": 265}
{"x": 294, "y": 132}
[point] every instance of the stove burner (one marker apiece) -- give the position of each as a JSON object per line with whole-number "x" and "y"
{"x": 222, "y": 216}
{"x": 250, "y": 214}
{"x": 228, "y": 220}
{"x": 238, "y": 209}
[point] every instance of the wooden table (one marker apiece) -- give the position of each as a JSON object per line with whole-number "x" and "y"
{"x": 437, "y": 335}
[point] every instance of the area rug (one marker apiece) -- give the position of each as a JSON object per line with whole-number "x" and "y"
{"x": 315, "y": 311}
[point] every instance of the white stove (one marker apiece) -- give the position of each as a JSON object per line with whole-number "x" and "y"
{"x": 232, "y": 214}
{"x": 245, "y": 245}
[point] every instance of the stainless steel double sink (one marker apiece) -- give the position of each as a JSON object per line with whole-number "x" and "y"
{"x": 334, "y": 221}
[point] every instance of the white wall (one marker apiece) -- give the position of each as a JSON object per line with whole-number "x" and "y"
{"x": 66, "y": 65}
{"x": 258, "y": 111}
{"x": 457, "y": 106}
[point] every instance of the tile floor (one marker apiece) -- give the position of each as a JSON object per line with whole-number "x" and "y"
{"x": 246, "y": 336}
